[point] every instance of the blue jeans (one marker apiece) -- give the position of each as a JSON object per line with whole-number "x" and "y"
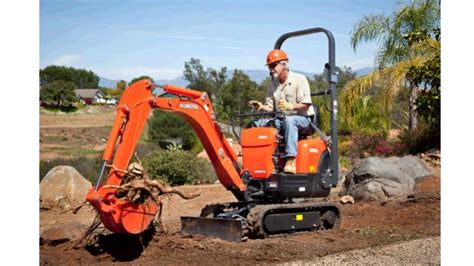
{"x": 292, "y": 124}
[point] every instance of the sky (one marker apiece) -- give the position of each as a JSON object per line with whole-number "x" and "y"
{"x": 127, "y": 39}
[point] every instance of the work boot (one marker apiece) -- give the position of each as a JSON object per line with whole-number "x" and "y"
{"x": 290, "y": 166}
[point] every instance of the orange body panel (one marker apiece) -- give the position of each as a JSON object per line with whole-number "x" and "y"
{"x": 132, "y": 113}
{"x": 258, "y": 146}
{"x": 309, "y": 153}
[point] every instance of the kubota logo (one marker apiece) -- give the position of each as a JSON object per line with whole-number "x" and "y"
{"x": 192, "y": 106}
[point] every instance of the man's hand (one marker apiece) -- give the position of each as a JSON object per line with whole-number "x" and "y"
{"x": 256, "y": 104}
{"x": 284, "y": 105}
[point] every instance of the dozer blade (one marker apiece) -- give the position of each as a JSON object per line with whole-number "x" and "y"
{"x": 226, "y": 229}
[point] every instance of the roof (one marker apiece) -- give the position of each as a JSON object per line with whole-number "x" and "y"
{"x": 87, "y": 93}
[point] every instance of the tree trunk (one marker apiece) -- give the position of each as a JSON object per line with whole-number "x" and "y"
{"x": 412, "y": 114}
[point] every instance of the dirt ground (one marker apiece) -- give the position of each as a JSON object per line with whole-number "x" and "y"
{"x": 83, "y": 133}
{"x": 363, "y": 225}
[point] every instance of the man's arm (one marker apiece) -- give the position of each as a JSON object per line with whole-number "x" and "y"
{"x": 301, "y": 106}
{"x": 303, "y": 96}
{"x": 268, "y": 105}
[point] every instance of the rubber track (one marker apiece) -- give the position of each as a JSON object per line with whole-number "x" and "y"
{"x": 256, "y": 215}
{"x": 253, "y": 228}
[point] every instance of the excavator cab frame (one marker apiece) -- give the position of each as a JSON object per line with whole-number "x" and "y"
{"x": 332, "y": 77}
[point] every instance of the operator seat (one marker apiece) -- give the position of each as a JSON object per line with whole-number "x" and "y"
{"x": 313, "y": 125}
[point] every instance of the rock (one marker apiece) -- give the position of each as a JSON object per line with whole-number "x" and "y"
{"x": 62, "y": 233}
{"x": 347, "y": 199}
{"x": 377, "y": 179}
{"x": 411, "y": 166}
{"x": 63, "y": 187}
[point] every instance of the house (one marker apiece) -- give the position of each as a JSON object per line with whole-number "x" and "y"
{"x": 93, "y": 96}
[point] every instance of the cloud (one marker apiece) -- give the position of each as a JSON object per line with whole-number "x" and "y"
{"x": 129, "y": 73}
{"x": 67, "y": 60}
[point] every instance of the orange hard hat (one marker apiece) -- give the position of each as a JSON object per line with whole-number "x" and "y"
{"x": 275, "y": 56}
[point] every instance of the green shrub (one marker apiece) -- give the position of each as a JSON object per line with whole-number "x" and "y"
{"x": 165, "y": 127}
{"x": 425, "y": 137}
{"x": 144, "y": 149}
{"x": 178, "y": 167}
{"x": 88, "y": 167}
{"x": 366, "y": 117}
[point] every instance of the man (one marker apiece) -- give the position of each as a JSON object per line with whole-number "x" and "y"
{"x": 291, "y": 92}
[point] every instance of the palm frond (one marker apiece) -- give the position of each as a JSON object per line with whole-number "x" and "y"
{"x": 390, "y": 80}
{"x": 369, "y": 28}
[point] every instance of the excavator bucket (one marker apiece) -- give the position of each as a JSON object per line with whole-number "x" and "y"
{"x": 226, "y": 229}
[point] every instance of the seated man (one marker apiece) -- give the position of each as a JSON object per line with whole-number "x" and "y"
{"x": 291, "y": 92}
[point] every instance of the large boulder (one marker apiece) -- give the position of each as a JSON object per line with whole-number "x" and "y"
{"x": 377, "y": 179}
{"x": 412, "y": 166}
{"x": 63, "y": 187}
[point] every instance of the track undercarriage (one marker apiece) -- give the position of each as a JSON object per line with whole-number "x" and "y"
{"x": 239, "y": 221}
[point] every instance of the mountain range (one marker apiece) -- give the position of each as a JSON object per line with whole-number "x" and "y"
{"x": 254, "y": 74}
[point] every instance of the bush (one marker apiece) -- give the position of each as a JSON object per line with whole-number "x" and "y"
{"x": 365, "y": 116}
{"x": 364, "y": 145}
{"x": 88, "y": 167}
{"x": 164, "y": 127}
{"x": 425, "y": 137}
{"x": 178, "y": 167}
{"x": 144, "y": 149}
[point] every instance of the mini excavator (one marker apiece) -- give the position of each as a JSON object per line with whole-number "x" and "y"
{"x": 269, "y": 201}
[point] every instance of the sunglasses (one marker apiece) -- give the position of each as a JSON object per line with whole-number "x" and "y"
{"x": 272, "y": 66}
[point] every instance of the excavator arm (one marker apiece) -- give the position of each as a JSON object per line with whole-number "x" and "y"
{"x": 133, "y": 111}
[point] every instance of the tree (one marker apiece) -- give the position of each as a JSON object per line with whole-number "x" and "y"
{"x": 418, "y": 16}
{"x": 396, "y": 54}
{"x": 80, "y": 77}
{"x": 428, "y": 102}
{"x": 58, "y": 93}
{"x": 197, "y": 77}
{"x": 121, "y": 85}
{"x": 140, "y": 78}
{"x": 217, "y": 79}
{"x": 237, "y": 93}
{"x": 211, "y": 81}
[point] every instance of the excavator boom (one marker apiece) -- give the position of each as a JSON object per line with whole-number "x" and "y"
{"x": 133, "y": 111}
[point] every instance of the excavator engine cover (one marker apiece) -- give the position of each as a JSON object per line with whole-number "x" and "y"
{"x": 309, "y": 153}
{"x": 258, "y": 147}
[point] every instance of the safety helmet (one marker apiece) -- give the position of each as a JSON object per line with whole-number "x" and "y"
{"x": 275, "y": 56}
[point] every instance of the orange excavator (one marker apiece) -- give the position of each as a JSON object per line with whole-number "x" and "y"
{"x": 269, "y": 201}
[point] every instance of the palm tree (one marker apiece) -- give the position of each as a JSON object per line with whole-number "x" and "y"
{"x": 396, "y": 53}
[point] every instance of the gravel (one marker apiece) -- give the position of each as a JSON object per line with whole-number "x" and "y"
{"x": 416, "y": 252}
